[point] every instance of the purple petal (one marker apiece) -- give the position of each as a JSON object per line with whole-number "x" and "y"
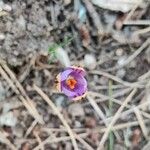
{"x": 69, "y": 70}
{"x": 78, "y": 74}
{"x": 67, "y": 91}
{"x": 64, "y": 75}
{"x": 78, "y": 70}
{"x": 79, "y": 89}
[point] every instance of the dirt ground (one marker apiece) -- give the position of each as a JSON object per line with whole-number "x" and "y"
{"x": 39, "y": 39}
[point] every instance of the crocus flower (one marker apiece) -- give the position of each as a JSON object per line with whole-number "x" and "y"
{"x": 72, "y": 82}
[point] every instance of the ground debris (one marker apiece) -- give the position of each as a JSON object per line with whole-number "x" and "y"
{"x": 39, "y": 39}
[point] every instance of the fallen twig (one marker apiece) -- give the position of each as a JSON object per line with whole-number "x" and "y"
{"x": 116, "y": 116}
{"x": 94, "y": 16}
{"x": 52, "y": 105}
{"x": 27, "y": 102}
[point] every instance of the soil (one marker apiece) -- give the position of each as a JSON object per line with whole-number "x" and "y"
{"x": 28, "y": 28}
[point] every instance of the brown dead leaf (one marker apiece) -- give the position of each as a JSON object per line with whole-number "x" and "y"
{"x": 90, "y": 122}
{"x": 136, "y": 137}
{"x": 85, "y": 35}
{"x": 119, "y": 21}
{"x": 26, "y": 146}
{"x": 94, "y": 138}
{"x": 41, "y": 61}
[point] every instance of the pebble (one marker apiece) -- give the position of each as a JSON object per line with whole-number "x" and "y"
{"x": 119, "y": 52}
{"x": 82, "y": 13}
{"x": 77, "y": 124}
{"x": 21, "y": 22}
{"x": 90, "y": 61}
{"x": 62, "y": 57}
{"x": 59, "y": 101}
{"x": 8, "y": 119}
{"x": 76, "y": 110}
{"x": 121, "y": 73}
{"x": 18, "y": 131}
{"x": 2, "y": 36}
{"x": 103, "y": 80}
{"x": 88, "y": 110}
{"x": 16, "y": 53}
{"x": 121, "y": 60}
{"x": 67, "y": 2}
{"x": 7, "y": 7}
{"x": 7, "y": 107}
{"x": 132, "y": 64}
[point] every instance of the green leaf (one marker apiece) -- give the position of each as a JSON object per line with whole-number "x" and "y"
{"x": 53, "y": 47}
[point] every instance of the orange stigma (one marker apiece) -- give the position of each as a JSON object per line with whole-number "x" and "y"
{"x": 71, "y": 82}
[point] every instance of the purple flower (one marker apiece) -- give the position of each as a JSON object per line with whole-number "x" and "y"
{"x": 72, "y": 82}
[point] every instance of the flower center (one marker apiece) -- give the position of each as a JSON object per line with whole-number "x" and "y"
{"x": 71, "y": 82}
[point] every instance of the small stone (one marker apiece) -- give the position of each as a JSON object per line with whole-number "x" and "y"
{"x": 90, "y": 61}
{"x": 7, "y": 7}
{"x": 76, "y": 110}
{"x": 132, "y": 64}
{"x": 121, "y": 60}
{"x": 59, "y": 101}
{"x": 121, "y": 73}
{"x": 62, "y": 57}
{"x": 77, "y": 124}
{"x": 2, "y": 36}
{"x": 103, "y": 80}
{"x": 119, "y": 52}
{"x": 88, "y": 110}
{"x": 16, "y": 53}
{"x": 53, "y": 146}
{"x": 46, "y": 118}
{"x": 18, "y": 131}
{"x": 7, "y": 107}
{"x": 82, "y": 18}
{"x": 8, "y": 119}
{"x": 67, "y": 2}
{"x": 21, "y": 22}
{"x": 46, "y": 73}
